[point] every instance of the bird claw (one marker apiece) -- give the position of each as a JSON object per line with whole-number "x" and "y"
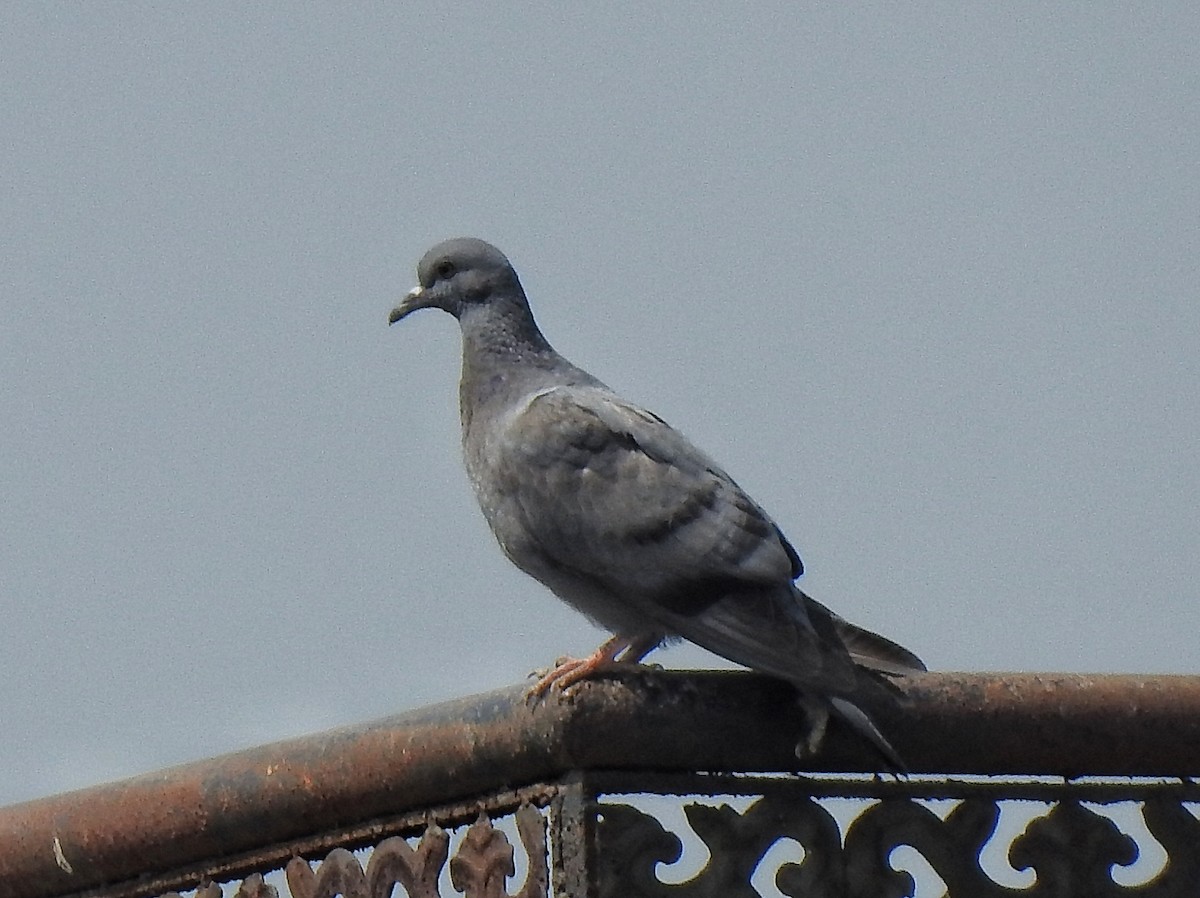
{"x": 565, "y": 673}
{"x": 540, "y": 673}
{"x": 568, "y": 671}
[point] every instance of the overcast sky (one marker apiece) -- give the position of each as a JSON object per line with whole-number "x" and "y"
{"x": 923, "y": 279}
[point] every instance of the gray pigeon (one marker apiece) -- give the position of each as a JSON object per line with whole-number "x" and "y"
{"x": 628, "y": 522}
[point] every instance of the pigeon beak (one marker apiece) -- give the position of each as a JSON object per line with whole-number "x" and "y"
{"x": 413, "y": 300}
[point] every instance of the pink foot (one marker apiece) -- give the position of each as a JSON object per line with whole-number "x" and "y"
{"x": 569, "y": 671}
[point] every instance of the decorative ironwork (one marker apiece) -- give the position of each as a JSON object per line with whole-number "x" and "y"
{"x": 424, "y": 805}
{"x": 479, "y": 868}
{"x": 392, "y": 863}
{"x": 485, "y": 860}
{"x": 252, "y": 886}
{"x": 1071, "y": 849}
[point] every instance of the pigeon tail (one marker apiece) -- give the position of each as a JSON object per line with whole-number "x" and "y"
{"x": 867, "y": 649}
{"x": 877, "y": 653}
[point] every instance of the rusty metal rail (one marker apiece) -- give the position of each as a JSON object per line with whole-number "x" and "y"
{"x": 261, "y": 806}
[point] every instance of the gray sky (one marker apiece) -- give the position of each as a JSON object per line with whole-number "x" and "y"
{"x": 924, "y": 279}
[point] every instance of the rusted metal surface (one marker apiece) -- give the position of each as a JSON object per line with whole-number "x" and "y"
{"x": 366, "y": 834}
{"x": 1040, "y": 723}
{"x": 279, "y": 795}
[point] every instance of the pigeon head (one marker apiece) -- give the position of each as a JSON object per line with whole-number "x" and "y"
{"x": 458, "y": 274}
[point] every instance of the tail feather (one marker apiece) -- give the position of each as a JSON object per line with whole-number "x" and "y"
{"x": 869, "y": 650}
{"x": 861, "y": 723}
{"x": 831, "y": 662}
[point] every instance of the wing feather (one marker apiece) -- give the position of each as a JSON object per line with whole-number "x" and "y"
{"x": 612, "y": 491}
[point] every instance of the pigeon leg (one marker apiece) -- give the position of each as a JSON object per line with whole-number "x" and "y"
{"x": 638, "y": 648}
{"x": 617, "y": 650}
{"x": 816, "y": 717}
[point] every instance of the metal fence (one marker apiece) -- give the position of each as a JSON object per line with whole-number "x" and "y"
{"x": 662, "y": 784}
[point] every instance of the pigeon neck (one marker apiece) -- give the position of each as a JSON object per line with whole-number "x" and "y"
{"x": 502, "y": 347}
{"x": 502, "y": 330}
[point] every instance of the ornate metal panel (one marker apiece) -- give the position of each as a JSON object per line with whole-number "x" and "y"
{"x": 611, "y": 836}
{"x": 1071, "y": 846}
{"x": 480, "y": 866}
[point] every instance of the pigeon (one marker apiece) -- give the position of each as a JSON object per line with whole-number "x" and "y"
{"x": 625, "y": 520}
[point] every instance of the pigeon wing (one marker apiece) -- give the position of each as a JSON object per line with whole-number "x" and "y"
{"x": 612, "y": 491}
{"x": 613, "y": 494}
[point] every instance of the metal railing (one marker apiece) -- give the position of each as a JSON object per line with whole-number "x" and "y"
{"x": 661, "y": 783}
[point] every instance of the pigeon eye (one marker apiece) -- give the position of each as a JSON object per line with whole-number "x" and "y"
{"x": 444, "y": 270}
